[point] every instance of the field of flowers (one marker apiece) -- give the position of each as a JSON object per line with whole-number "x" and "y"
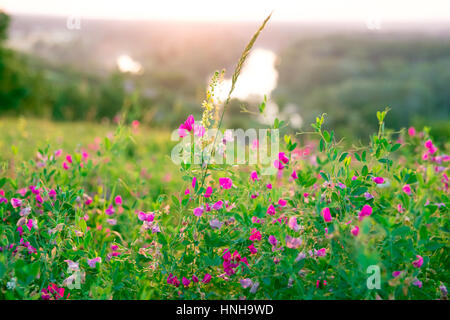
{"x": 102, "y": 212}
{"x": 114, "y": 218}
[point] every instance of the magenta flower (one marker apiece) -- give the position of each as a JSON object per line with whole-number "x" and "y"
{"x": 412, "y": 131}
{"x": 255, "y": 236}
{"x": 269, "y": 186}
{"x": 407, "y": 189}
{"x": 282, "y": 157}
{"x": 52, "y": 193}
{"x": 355, "y": 231}
{"x": 194, "y": 278}
{"x": 272, "y": 240}
{"x": 395, "y": 274}
{"x": 218, "y": 205}
{"x": 365, "y": 211}
{"x": 92, "y": 262}
{"x": 326, "y": 214}
{"x": 321, "y": 252}
{"x": 16, "y": 202}
{"x": 252, "y": 249}
{"x": 65, "y": 166}
{"x": 194, "y": 182}
{"x": 278, "y": 164}
{"x": 187, "y": 126}
{"x": 378, "y": 180}
{"x": 282, "y": 202}
{"x": 186, "y": 282}
{"x": 149, "y": 217}
{"x": 225, "y": 183}
{"x": 294, "y": 175}
{"x": 418, "y": 263}
{"x": 110, "y": 210}
{"x": 58, "y": 153}
{"x": 69, "y": 158}
{"x": 254, "y": 176}
{"x": 271, "y": 210}
{"x": 208, "y": 192}
{"x": 206, "y": 278}
{"x": 198, "y": 211}
{"x": 118, "y": 200}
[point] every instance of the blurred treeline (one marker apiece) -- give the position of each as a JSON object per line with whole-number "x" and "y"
{"x": 349, "y": 77}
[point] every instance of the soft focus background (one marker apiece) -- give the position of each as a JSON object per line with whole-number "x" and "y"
{"x": 85, "y": 61}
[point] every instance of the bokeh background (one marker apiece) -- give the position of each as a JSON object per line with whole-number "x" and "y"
{"x": 85, "y": 61}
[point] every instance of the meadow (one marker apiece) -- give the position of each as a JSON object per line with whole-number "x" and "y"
{"x": 100, "y": 211}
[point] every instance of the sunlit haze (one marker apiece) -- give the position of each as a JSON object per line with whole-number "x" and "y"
{"x": 234, "y": 10}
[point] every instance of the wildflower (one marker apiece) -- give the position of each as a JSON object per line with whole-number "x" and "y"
{"x": 293, "y": 243}
{"x": 218, "y": 205}
{"x": 326, "y": 214}
{"x": 355, "y": 231}
{"x": 72, "y": 266}
{"x": 254, "y": 196}
{"x": 400, "y": 209}
{"x": 365, "y": 211}
{"x": 110, "y": 210}
{"x": 58, "y": 153}
{"x": 149, "y": 217}
{"x": 272, "y": 240}
{"x": 188, "y": 124}
{"x": 194, "y": 182}
{"x": 112, "y": 222}
{"x": 271, "y": 210}
{"x": 206, "y": 278}
{"x": 215, "y": 224}
{"x": 282, "y": 202}
{"x": 254, "y": 176}
{"x": 65, "y": 166}
{"x": 418, "y": 263}
{"x": 25, "y": 211}
{"x": 16, "y": 202}
{"x": 171, "y": 279}
{"x": 417, "y": 283}
{"x": 92, "y": 262}
{"x": 378, "y": 180}
{"x": 278, "y": 164}
{"x": 118, "y": 200}
{"x": 69, "y": 158}
{"x": 282, "y": 157}
{"x": 186, "y": 282}
{"x": 321, "y": 252}
{"x": 407, "y": 189}
{"x": 395, "y": 274}
{"x": 252, "y": 249}
{"x": 52, "y": 193}
{"x": 293, "y": 223}
{"x": 269, "y": 186}
{"x": 300, "y": 256}
{"x": 225, "y": 183}
{"x": 208, "y": 192}
{"x": 245, "y": 283}
{"x": 255, "y": 236}
{"x": 53, "y": 292}
{"x": 198, "y": 211}
{"x": 368, "y": 195}
{"x": 254, "y": 287}
{"x": 294, "y": 175}
{"x": 412, "y": 131}
{"x": 256, "y": 220}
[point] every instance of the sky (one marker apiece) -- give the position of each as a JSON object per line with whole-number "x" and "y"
{"x": 240, "y": 10}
